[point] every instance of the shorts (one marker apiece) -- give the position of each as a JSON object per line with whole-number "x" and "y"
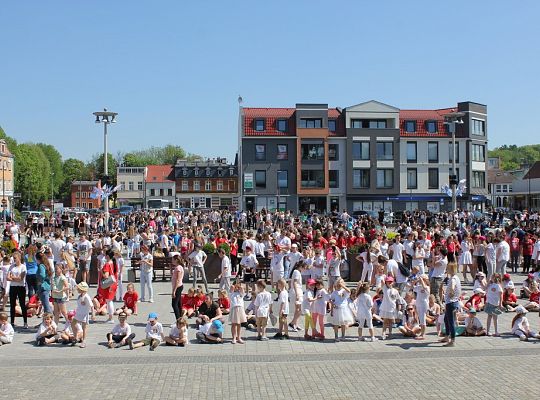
{"x": 262, "y": 321}
{"x": 491, "y": 309}
{"x": 84, "y": 265}
{"x": 83, "y": 319}
{"x": 59, "y": 301}
{"x": 249, "y": 278}
{"x": 148, "y": 341}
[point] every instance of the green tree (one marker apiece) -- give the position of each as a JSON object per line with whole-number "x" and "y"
{"x": 95, "y": 167}
{"x": 55, "y": 161}
{"x": 11, "y": 143}
{"x": 156, "y": 156}
{"x": 72, "y": 170}
{"x": 513, "y": 157}
{"x": 32, "y": 174}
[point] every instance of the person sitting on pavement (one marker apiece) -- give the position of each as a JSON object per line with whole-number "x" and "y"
{"x": 154, "y": 334}
{"x": 178, "y": 336}
{"x": 210, "y": 332}
{"x": 209, "y": 311}
{"x": 473, "y": 326}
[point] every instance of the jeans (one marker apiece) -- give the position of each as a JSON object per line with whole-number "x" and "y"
{"x": 176, "y": 302}
{"x": 449, "y": 322}
{"x": 286, "y": 267}
{"x": 146, "y": 280}
{"x": 44, "y": 298}
{"x": 32, "y": 283}
{"x": 17, "y": 292}
{"x": 500, "y": 268}
{"x": 514, "y": 260}
{"x": 490, "y": 268}
{"x": 526, "y": 263}
{"x": 196, "y": 271}
{"x": 435, "y": 288}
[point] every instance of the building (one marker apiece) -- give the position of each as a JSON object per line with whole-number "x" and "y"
{"x": 526, "y": 189}
{"x": 211, "y": 183}
{"x": 80, "y": 194}
{"x": 160, "y": 187}
{"x": 367, "y": 157}
{"x": 8, "y": 179}
{"x": 500, "y": 184}
{"x": 131, "y": 181}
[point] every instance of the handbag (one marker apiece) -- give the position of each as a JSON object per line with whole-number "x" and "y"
{"x": 108, "y": 282}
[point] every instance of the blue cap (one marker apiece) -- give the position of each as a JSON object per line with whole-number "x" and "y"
{"x": 152, "y": 315}
{"x": 218, "y": 325}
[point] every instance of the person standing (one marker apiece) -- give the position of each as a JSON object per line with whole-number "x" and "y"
{"x": 177, "y": 281}
{"x": 45, "y": 274}
{"x": 16, "y": 276}
{"x": 225, "y": 275}
{"x": 31, "y": 269}
{"x": 197, "y": 259}
{"x": 436, "y": 273}
{"x": 451, "y": 300}
{"x": 84, "y": 255}
{"x": 147, "y": 266}
{"x": 502, "y": 255}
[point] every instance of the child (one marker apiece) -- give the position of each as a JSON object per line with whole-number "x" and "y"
{"x": 534, "y": 298}
{"x": 473, "y": 326}
{"x": 433, "y": 313}
{"x": 46, "y": 333}
{"x": 520, "y": 325}
{"x": 188, "y": 303}
{"x": 480, "y": 281}
{"x": 100, "y": 305}
{"x": 379, "y": 276}
{"x": 410, "y": 326}
{"x": 248, "y": 264}
{"x": 178, "y": 335}
{"x": 318, "y": 309}
{"x": 494, "y": 297}
{"x": 334, "y": 267}
{"x": 6, "y": 330}
{"x": 476, "y": 300}
{"x": 306, "y": 309}
{"x": 4, "y": 283}
{"x": 526, "y": 288}
{"x": 154, "y": 334}
{"x": 120, "y": 333}
{"x": 389, "y": 306}
{"x": 211, "y": 332}
{"x": 509, "y": 298}
{"x": 319, "y": 263}
{"x": 422, "y": 291}
{"x": 340, "y": 313}
{"x": 364, "y": 310}
{"x": 282, "y": 307}
{"x": 224, "y": 302}
{"x": 237, "y": 317}
{"x": 81, "y": 318}
{"x": 131, "y": 297}
{"x": 367, "y": 256}
{"x": 66, "y": 335}
{"x": 262, "y": 307}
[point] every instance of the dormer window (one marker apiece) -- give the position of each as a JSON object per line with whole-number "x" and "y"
{"x": 431, "y": 126}
{"x": 220, "y": 172}
{"x": 231, "y": 171}
{"x": 281, "y": 125}
{"x": 184, "y": 171}
{"x": 259, "y": 125}
{"x": 196, "y": 171}
{"x": 207, "y": 171}
{"x": 410, "y": 126}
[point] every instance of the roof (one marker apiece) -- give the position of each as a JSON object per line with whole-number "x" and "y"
{"x": 499, "y": 176}
{"x": 421, "y": 116}
{"x": 533, "y": 172}
{"x": 93, "y": 183}
{"x": 159, "y": 173}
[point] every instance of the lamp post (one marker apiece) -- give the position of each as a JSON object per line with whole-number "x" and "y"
{"x": 52, "y": 201}
{"x": 451, "y": 120}
{"x": 410, "y": 188}
{"x": 105, "y": 117}
{"x": 4, "y": 201}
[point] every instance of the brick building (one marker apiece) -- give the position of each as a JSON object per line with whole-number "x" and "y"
{"x": 80, "y": 194}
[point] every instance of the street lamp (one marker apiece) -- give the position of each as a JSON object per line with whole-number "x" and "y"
{"x": 105, "y": 117}
{"x": 411, "y": 176}
{"x": 451, "y": 120}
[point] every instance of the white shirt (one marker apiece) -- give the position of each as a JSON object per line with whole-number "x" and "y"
{"x": 16, "y": 271}
{"x": 503, "y": 251}
{"x": 121, "y": 330}
{"x": 236, "y": 299}
{"x": 262, "y": 303}
{"x": 493, "y": 294}
{"x": 196, "y": 258}
{"x": 364, "y": 303}
{"x": 397, "y": 249}
{"x": 43, "y": 328}
{"x": 225, "y": 267}
{"x": 8, "y": 331}
{"x": 84, "y": 247}
{"x": 154, "y": 331}
{"x": 453, "y": 281}
{"x": 283, "y": 300}
{"x": 57, "y": 246}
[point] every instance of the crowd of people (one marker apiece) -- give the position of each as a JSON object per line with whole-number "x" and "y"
{"x": 429, "y": 270}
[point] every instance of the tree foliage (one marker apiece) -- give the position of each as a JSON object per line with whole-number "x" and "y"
{"x": 32, "y": 174}
{"x": 55, "y": 162}
{"x": 513, "y": 157}
{"x": 95, "y": 167}
{"x": 156, "y": 156}
{"x": 73, "y": 170}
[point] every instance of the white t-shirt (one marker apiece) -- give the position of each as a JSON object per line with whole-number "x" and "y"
{"x": 475, "y": 323}
{"x": 57, "y": 246}
{"x": 43, "y": 328}
{"x": 521, "y": 323}
{"x": 121, "y": 330}
{"x": 262, "y": 303}
{"x": 283, "y": 300}
{"x": 493, "y": 294}
{"x": 175, "y": 332}
{"x": 397, "y": 249}
{"x": 84, "y": 249}
{"x": 503, "y": 251}
{"x": 249, "y": 261}
{"x": 225, "y": 267}
{"x": 82, "y": 311}
{"x": 154, "y": 331}
{"x": 196, "y": 258}
{"x": 364, "y": 302}
{"x": 8, "y": 331}
{"x": 16, "y": 271}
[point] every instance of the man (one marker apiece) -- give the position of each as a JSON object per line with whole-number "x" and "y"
{"x": 84, "y": 255}
{"x": 502, "y": 255}
{"x": 397, "y": 250}
{"x": 57, "y": 246}
{"x": 164, "y": 242}
{"x": 408, "y": 245}
{"x": 197, "y": 258}
{"x": 209, "y": 311}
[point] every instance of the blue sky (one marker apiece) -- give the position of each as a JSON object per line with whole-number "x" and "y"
{"x": 173, "y": 70}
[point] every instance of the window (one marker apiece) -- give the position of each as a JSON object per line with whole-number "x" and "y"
{"x": 260, "y": 152}
{"x": 333, "y": 153}
{"x": 360, "y": 150}
{"x": 412, "y": 178}
{"x": 478, "y": 152}
{"x": 260, "y": 179}
{"x": 312, "y": 178}
{"x": 219, "y": 185}
{"x": 208, "y": 186}
{"x": 282, "y": 152}
{"x": 332, "y": 125}
{"x": 169, "y": 192}
{"x": 161, "y": 192}
{"x": 451, "y": 173}
{"x": 184, "y": 171}
{"x": 431, "y": 126}
{"x": 77, "y": 204}
{"x": 385, "y": 151}
{"x": 451, "y": 153}
{"x": 410, "y": 126}
{"x": 77, "y": 195}
{"x": 122, "y": 185}
{"x": 368, "y": 123}
{"x": 259, "y": 125}
{"x": 310, "y": 123}
{"x": 479, "y": 179}
{"x": 478, "y": 127}
{"x": 196, "y": 185}
{"x": 281, "y": 125}
{"x": 433, "y": 152}
{"x": 333, "y": 178}
{"x": 196, "y": 171}
{"x": 152, "y": 192}
{"x": 411, "y": 152}
{"x": 231, "y": 171}
{"x": 385, "y": 178}
{"x": 185, "y": 185}
{"x": 312, "y": 151}
{"x": 220, "y": 172}
{"x": 283, "y": 179}
{"x": 130, "y": 186}
{"x": 433, "y": 178}
{"x": 360, "y": 178}
{"x": 139, "y": 186}
{"x": 208, "y": 171}
{"x": 83, "y": 205}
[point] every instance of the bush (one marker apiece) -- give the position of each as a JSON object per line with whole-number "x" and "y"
{"x": 226, "y": 247}
{"x": 8, "y": 246}
{"x": 209, "y": 248}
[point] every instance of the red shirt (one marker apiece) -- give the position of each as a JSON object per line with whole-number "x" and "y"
{"x": 514, "y": 244}
{"x": 535, "y": 297}
{"x": 130, "y": 299}
{"x": 224, "y": 302}
{"x": 509, "y": 297}
{"x": 528, "y": 246}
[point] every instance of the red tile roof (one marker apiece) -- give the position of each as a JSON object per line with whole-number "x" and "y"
{"x": 159, "y": 174}
{"x": 421, "y": 116}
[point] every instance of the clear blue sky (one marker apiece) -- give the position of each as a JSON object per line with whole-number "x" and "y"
{"x": 173, "y": 69}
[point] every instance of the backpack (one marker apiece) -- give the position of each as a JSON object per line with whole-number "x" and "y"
{"x": 405, "y": 271}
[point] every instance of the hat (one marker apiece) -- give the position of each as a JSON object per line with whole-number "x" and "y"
{"x": 71, "y": 314}
{"x": 480, "y": 273}
{"x": 311, "y": 282}
{"x": 472, "y": 310}
{"x": 389, "y": 279}
{"x": 509, "y": 285}
{"x": 218, "y": 325}
{"x": 479, "y": 291}
{"x": 294, "y": 245}
{"x": 530, "y": 276}
{"x": 152, "y": 316}
{"x": 506, "y": 276}
{"x": 520, "y": 310}
{"x": 83, "y": 287}
{"x": 122, "y": 315}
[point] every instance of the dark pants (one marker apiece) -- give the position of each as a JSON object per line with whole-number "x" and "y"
{"x": 176, "y": 302}
{"x": 32, "y": 283}
{"x": 481, "y": 261}
{"x": 449, "y": 322}
{"x": 119, "y": 338}
{"x": 17, "y": 292}
{"x": 514, "y": 260}
{"x": 526, "y": 263}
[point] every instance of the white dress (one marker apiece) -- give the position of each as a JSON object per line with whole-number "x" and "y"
{"x": 341, "y": 313}
{"x": 389, "y": 303}
{"x": 466, "y": 256}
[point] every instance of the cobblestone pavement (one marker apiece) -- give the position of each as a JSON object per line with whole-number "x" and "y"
{"x": 398, "y": 368}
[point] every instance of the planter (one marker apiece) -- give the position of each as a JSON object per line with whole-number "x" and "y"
{"x": 355, "y": 267}
{"x": 212, "y": 267}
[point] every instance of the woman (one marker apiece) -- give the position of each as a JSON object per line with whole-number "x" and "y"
{"x": 60, "y": 288}
{"x": 31, "y": 269}
{"x": 466, "y": 257}
{"x": 108, "y": 283}
{"x": 296, "y": 295}
{"x": 451, "y": 300}
{"x": 419, "y": 255}
{"x": 177, "y": 281}
{"x": 16, "y": 276}
{"x": 422, "y": 290}
{"x": 120, "y": 267}
{"x": 45, "y": 274}
{"x": 147, "y": 266}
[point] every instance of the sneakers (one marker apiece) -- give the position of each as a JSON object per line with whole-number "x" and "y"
{"x": 308, "y": 337}
{"x": 278, "y": 335}
{"x": 292, "y": 328}
{"x": 373, "y": 339}
{"x": 151, "y": 301}
{"x": 264, "y": 339}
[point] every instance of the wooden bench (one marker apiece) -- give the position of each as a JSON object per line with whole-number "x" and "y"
{"x": 161, "y": 264}
{"x": 263, "y": 269}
